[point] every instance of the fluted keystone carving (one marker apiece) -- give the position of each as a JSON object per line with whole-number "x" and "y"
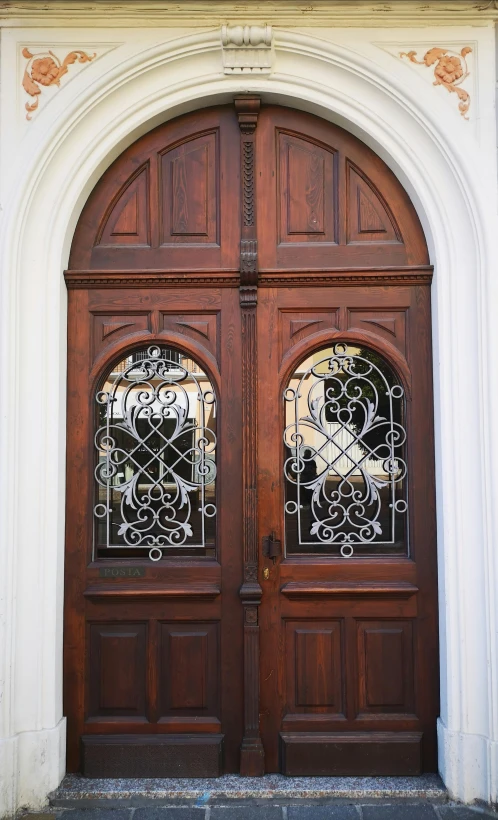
{"x": 247, "y": 49}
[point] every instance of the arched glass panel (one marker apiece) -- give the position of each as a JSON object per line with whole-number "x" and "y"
{"x": 344, "y": 462}
{"x": 156, "y": 458}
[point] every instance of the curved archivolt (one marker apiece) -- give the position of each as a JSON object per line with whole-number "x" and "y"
{"x": 344, "y": 463}
{"x": 156, "y": 465}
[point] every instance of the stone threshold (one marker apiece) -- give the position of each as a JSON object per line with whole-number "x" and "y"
{"x": 80, "y": 792}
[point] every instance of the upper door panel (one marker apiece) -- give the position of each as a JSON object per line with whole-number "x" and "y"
{"x": 326, "y": 201}
{"x": 160, "y": 205}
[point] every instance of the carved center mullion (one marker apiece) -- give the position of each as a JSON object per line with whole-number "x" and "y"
{"x": 252, "y": 752}
{"x": 247, "y": 112}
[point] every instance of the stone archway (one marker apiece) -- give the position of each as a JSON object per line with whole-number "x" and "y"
{"x": 68, "y": 149}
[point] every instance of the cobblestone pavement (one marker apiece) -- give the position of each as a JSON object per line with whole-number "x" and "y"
{"x": 271, "y": 797}
{"x": 266, "y": 811}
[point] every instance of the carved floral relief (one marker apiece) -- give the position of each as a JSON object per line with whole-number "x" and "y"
{"x": 45, "y": 69}
{"x": 450, "y": 71}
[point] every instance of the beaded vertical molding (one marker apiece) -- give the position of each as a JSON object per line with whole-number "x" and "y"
{"x": 251, "y": 753}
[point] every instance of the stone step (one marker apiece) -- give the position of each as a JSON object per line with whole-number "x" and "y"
{"x": 80, "y": 792}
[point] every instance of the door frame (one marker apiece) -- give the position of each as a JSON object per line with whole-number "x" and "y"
{"x": 464, "y": 265}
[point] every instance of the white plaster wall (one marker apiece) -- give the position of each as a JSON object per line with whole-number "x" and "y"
{"x": 47, "y": 169}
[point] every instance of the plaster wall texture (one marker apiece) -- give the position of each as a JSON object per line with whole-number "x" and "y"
{"x": 143, "y": 75}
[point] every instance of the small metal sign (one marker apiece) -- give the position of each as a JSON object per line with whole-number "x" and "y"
{"x": 122, "y": 572}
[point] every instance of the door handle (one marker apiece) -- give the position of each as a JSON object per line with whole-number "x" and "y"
{"x": 272, "y": 547}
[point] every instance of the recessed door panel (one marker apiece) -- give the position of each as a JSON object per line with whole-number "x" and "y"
{"x": 306, "y": 188}
{"x": 189, "y": 664}
{"x": 385, "y": 667}
{"x": 129, "y": 220}
{"x": 368, "y": 216}
{"x": 315, "y": 666}
{"x": 117, "y": 685}
{"x": 189, "y": 189}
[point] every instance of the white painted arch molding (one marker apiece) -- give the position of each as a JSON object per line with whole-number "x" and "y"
{"x": 64, "y": 151}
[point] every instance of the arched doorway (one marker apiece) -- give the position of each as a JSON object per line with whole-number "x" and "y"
{"x": 250, "y": 561}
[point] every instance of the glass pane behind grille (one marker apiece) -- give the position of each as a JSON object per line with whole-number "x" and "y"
{"x": 344, "y": 458}
{"x": 156, "y": 458}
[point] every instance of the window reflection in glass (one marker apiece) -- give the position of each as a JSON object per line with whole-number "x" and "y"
{"x": 344, "y": 459}
{"x": 156, "y": 450}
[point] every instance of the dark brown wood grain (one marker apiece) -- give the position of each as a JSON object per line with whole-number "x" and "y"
{"x": 337, "y": 754}
{"x": 324, "y": 198}
{"x": 252, "y": 762}
{"x": 250, "y": 248}
{"x": 167, "y": 203}
{"x": 377, "y": 589}
{"x": 369, "y": 622}
{"x": 188, "y": 679}
{"x": 188, "y": 755}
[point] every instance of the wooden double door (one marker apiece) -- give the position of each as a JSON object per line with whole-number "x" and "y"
{"x": 250, "y": 559}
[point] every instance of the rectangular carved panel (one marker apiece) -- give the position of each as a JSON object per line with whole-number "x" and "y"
{"x": 314, "y": 666}
{"x": 190, "y": 192}
{"x": 189, "y": 669}
{"x": 351, "y": 753}
{"x": 388, "y": 324}
{"x": 117, "y": 669}
{"x": 200, "y": 327}
{"x": 385, "y": 666}
{"x": 152, "y": 755}
{"x": 306, "y": 191}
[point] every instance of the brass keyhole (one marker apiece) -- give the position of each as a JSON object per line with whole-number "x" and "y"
{"x": 266, "y": 573}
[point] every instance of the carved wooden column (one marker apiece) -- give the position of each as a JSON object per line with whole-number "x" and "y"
{"x": 252, "y": 753}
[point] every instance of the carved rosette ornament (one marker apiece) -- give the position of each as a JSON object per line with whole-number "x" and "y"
{"x": 45, "y": 69}
{"x": 450, "y": 71}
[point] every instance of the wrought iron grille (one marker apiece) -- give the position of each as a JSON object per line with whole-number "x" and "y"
{"x": 344, "y": 464}
{"x": 156, "y": 446}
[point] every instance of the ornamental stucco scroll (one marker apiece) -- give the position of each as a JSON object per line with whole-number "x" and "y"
{"x": 450, "y": 70}
{"x": 45, "y": 69}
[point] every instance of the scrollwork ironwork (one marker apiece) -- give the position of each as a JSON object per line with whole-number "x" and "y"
{"x": 345, "y": 452}
{"x": 157, "y": 454}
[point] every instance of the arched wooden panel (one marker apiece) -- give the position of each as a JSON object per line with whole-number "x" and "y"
{"x": 189, "y": 191}
{"x": 170, "y": 202}
{"x": 128, "y": 220}
{"x": 307, "y": 184}
{"x": 369, "y": 218}
{"x": 326, "y": 201}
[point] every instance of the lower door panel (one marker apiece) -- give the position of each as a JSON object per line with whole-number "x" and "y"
{"x": 152, "y": 755}
{"x": 365, "y": 754}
